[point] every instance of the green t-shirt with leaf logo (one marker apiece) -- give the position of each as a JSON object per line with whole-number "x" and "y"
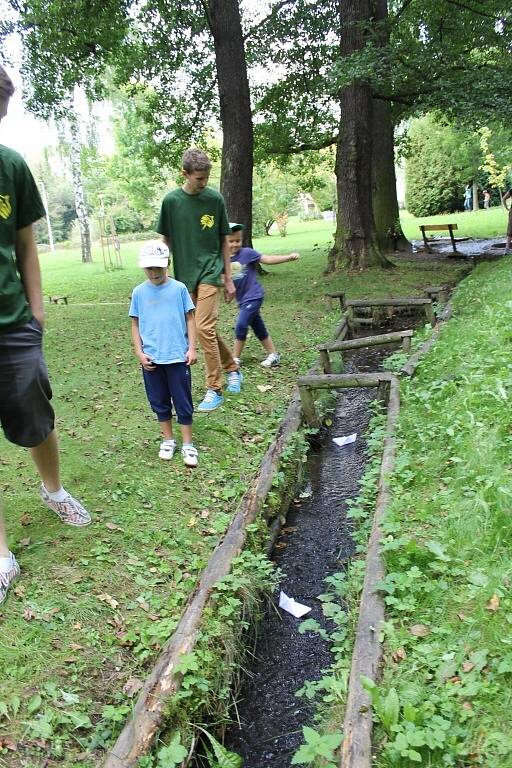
{"x": 20, "y": 205}
{"x": 195, "y": 225}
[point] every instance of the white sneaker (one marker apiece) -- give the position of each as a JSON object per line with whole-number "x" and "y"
{"x": 7, "y": 577}
{"x": 189, "y": 453}
{"x": 167, "y": 448}
{"x": 237, "y": 360}
{"x": 271, "y": 361}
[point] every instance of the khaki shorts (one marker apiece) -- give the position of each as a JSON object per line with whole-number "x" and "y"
{"x": 26, "y": 414}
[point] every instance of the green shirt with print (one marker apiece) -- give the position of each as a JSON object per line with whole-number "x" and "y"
{"x": 20, "y": 205}
{"x": 195, "y": 225}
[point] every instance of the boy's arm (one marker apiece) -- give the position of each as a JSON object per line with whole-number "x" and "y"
{"x": 280, "y": 259}
{"x": 27, "y": 262}
{"x": 145, "y": 361}
{"x": 229, "y": 286}
{"x": 191, "y": 357}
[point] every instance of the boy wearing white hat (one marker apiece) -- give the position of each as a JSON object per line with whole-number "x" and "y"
{"x": 164, "y": 340}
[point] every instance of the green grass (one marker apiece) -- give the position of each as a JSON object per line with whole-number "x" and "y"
{"x": 93, "y": 607}
{"x": 482, "y": 223}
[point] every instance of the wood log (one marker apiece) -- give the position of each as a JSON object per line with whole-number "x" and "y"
{"x": 356, "y": 751}
{"x": 341, "y": 380}
{"x": 366, "y": 341}
{"x": 399, "y": 301}
{"x": 338, "y": 295}
{"x": 140, "y": 731}
{"x": 308, "y": 406}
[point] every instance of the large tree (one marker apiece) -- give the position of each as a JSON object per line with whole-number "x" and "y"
{"x": 190, "y": 53}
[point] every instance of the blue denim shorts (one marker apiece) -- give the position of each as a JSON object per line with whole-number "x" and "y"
{"x": 26, "y": 414}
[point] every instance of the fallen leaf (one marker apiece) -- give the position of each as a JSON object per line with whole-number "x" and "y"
{"x": 257, "y": 439}
{"x": 113, "y": 527}
{"x": 419, "y": 630}
{"x": 47, "y": 615}
{"x": 493, "y": 604}
{"x": 468, "y": 666}
{"x": 205, "y": 514}
{"x": 281, "y": 545}
{"x": 28, "y": 614}
{"x": 455, "y": 680}
{"x": 76, "y": 647}
{"x": 19, "y": 591}
{"x": 25, "y": 542}
{"x": 191, "y": 522}
{"x": 466, "y": 705}
{"x": 25, "y": 519}
{"x": 461, "y": 616}
{"x": 132, "y": 686}
{"x": 7, "y": 743}
{"x": 106, "y": 598}
{"x": 264, "y": 387}
{"x": 399, "y": 655}
{"x": 77, "y": 625}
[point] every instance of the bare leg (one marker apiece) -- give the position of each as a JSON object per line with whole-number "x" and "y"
{"x": 269, "y": 345}
{"x": 46, "y": 459}
{"x": 186, "y": 432}
{"x": 238, "y": 348}
{"x": 166, "y": 429}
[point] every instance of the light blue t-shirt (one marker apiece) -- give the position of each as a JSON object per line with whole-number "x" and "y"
{"x": 161, "y": 310}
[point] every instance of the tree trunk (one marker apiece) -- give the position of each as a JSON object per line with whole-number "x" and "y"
{"x": 390, "y": 236}
{"x": 385, "y": 203}
{"x": 78, "y": 187}
{"x": 235, "y": 112}
{"x": 476, "y": 204}
{"x": 355, "y": 242}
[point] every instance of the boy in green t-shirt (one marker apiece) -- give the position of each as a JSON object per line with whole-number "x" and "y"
{"x": 26, "y": 414}
{"x": 194, "y": 226}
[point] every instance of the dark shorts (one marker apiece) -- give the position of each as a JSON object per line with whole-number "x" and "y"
{"x": 249, "y": 317}
{"x": 168, "y": 387}
{"x": 26, "y": 415}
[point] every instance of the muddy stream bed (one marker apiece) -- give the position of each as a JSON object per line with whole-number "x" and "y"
{"x": 314, "y": 544}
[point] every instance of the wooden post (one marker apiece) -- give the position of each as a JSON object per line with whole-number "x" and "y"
{"x": 454, "y": 245}
{"x": 429, "y": 313}
{"x": 308, "y": 405}
{"x": 325, "y": 361}
{"x": 427, "y": 247}
{"x": 406, "y": 343}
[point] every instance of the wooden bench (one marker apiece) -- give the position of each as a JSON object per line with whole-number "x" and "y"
{"x": 437, "y": 228}
{"x": 58, "y": 299}
{"x": 365, "y": 341}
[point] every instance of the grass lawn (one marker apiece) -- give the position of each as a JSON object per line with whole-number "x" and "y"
{"x": 94, "y": 606}
{"x": 482, "y": 223}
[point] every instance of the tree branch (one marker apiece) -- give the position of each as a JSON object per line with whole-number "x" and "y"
{"x": 305, "y": 147}
{"x": 476, "y": 11}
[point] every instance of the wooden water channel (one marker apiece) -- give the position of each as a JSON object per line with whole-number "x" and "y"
{"x": 148, "y": 717}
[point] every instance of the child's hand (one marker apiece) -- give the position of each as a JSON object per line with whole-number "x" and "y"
{"x": 294, "y": 256}
{"x": 191, "y": 356}
{"x": 146, "y": 362}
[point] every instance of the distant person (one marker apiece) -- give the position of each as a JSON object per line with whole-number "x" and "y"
{"x": 26, "y": 415}
{"x": 194, "y": 226}
{"x": 249, "y": 295}
{"x": 487, "y": 198}
{"x": 164, "y": 340}
{"x": 468, "y": 198}
{"x": 508, "y": 196}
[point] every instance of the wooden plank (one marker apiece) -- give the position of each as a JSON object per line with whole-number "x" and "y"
{"x": 365, "y": 341}
{"x": 398, "y": 301}
{"x": 356, "y": 750}
{"x": 437, "y": 227}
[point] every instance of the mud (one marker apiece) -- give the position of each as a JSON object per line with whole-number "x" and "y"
{"x": 316, "y": 542}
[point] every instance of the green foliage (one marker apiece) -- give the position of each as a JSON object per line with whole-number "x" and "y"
{"x": 441, "y": 160}
{"x": 318, "y": 745}
{"x": 173, "y": 754}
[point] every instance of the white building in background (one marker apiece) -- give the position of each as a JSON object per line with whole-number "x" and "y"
{"x": 307, "y": 204}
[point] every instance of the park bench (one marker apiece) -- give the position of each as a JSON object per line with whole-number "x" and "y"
{"x": 363, "y": 341}
{"x": 438, "y": 228}
{"x": 58, "y": 299}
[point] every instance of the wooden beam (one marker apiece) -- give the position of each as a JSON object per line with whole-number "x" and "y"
{"x": 366, "y": 341}
{"x": 342, "y": 380}
{"x": 398, "y": 301}
{"x": 356, "y": 750}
